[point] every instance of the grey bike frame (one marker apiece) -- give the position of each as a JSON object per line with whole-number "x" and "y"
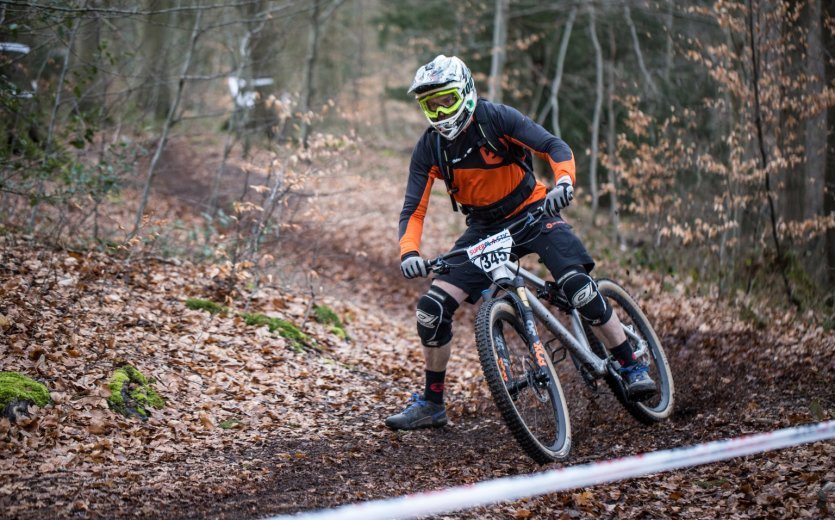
{"x": 577, "y": 342}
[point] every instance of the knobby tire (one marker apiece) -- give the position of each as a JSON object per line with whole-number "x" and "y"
{"x": 489, "y": 316}
{"x": 661, "y": 406}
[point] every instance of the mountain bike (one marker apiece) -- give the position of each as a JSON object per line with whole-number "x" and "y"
{"x": 520, "y": 368}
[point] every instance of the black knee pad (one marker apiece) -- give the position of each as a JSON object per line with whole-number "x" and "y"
{"x": 434, "y": 317}
{"x": 582, "y": 293}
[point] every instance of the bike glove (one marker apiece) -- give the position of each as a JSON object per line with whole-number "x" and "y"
{"x": 414, "y": 266}
{"x": 558, "y": 198}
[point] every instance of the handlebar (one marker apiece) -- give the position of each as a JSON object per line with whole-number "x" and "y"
{"x": 440, "y": 265}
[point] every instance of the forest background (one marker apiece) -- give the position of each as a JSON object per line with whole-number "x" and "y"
{"x": 252, "y": 154}
{"x": 700, "y": 129}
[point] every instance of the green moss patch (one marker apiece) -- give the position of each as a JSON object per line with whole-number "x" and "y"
{"x": 131, "y": 393}
{"x": 18, "y": 391}
{"x": 298, "y": 339}
{"x": 284, "y": 328}
{"x": 229, "y": 424}
{"x": 196, "y": 304}
{"x": 326, "y": 316}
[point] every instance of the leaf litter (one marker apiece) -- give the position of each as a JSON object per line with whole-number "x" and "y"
{"x": 252, "y": 426}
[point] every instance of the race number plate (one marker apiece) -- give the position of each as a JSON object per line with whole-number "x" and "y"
{"x": 492, "y": 252}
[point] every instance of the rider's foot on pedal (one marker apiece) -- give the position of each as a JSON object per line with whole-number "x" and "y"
{"x": 639, "y": 385}
{"x": 420, "y": 413}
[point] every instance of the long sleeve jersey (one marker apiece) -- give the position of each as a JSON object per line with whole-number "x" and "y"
{"x": 481, "y": 177}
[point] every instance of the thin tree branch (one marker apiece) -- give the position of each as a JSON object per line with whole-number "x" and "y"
{"x": 781, "y": 261}
{"x": 598, "y": 103}
{"x": 166, "y": 127}
{"x": 637, "y": 45}
{"x": 140, "y": 12}
{"x": 494, "y": 91}
{"x": 33, "y": 215}
{"x": 553, "y": 101}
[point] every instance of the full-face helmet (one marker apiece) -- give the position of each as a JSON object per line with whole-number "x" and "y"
{"x": 445, "y": 90}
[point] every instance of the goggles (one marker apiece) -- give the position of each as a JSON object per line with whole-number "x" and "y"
{"x": 445, "y": 102}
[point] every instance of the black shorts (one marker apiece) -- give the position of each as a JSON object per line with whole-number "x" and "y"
{"x": 551, "y": 239}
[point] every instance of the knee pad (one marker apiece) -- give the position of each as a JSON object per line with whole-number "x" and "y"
{"x": 434, "y": 317}
{"x": 582, "y": 293}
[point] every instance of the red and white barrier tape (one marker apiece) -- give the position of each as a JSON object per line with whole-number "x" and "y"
{"x": 510, "y": 488}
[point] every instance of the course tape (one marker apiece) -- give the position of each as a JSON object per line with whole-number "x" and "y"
{"x": 510, "y": 488}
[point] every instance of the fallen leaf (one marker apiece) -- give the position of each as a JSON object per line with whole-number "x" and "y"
{"x": 207, "y": 421}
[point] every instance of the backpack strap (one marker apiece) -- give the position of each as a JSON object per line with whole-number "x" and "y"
{"x": 483, "y": 123}
{"x": 445, "y": 166}
{"x": 503, "y": 207}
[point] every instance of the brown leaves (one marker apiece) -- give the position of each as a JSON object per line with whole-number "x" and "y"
{"x": 247, "y": 415}
{"x": 206, "y": 421}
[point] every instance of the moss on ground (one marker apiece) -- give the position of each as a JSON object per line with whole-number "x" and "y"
{"x": 16, "y": 388}
{"x": 284, "y": 328}
{"x": 229, "y": 424}
{"x": 196, "y": 304}
{"x": 131, "y": 393}
{"x": 326, "y": 316}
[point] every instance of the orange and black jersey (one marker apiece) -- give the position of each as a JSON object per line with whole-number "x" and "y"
{"x": 480, "y": 176}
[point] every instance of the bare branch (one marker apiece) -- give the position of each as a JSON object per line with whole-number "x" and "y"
{"x": 494, "y": 92}
{"x": 141, "y": 12}
{"x": 33, "y": 215}
{"x": 553, "y": 102}
{"x": 598, "y": 103}
{"x": 167, "y": 125}
{"x": 637, "y": 45}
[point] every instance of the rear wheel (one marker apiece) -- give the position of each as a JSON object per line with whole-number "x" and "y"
{"x": 528, "y": 395}
{"x": 649, "y": 350}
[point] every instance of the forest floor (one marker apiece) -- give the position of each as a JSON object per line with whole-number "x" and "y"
{"x": 254, "y": 427}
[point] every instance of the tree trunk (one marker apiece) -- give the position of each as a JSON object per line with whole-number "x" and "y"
{"x": 668, "y": 61}
{"x": 494, "y": 92}
{"x": 309, "y": 66}
{"x": 156, "y": 43}
{"x": 359, "y": 63}
{"x": 261, "y": 59}
{"x": 815, "y": 132}
{"x": 598, "y": 103}
{"x": 611, "y": 129}
{"x": 87, "y": 56}
{"x": 553, "y": 100}
{"x": 829, "y": 192}
{"x": 815, "y": 135}
{"x": 758, "y": 123}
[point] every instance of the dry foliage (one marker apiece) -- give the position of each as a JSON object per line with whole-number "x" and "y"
{"x": 253, "y": 426}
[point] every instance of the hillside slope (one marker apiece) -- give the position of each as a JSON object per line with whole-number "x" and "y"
{"x": 258, "y": 424}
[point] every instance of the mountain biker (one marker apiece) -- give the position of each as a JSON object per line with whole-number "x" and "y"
{"x": 481, "y": 150}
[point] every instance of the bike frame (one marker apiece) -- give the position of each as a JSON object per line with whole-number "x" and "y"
{"x": 576, "y": 342}
{"x": 511, "y": 277}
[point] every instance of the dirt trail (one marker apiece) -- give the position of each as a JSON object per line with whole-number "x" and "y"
{"x": 326, "y": 444}
{"x": 728, "y": 384}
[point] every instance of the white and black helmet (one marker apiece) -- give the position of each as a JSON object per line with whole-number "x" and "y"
{"x": 445, "y": 90}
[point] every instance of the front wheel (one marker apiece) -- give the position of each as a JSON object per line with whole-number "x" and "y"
{"x": 650, "y": 352}
{"x": 526, "y": 390}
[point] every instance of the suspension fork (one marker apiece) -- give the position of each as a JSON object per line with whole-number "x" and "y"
{"x": 524, "y": 307}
